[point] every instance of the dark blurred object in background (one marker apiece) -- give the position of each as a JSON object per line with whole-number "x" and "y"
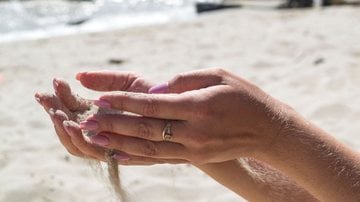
{"x": 202, "y": 7}
{"x": 310, "y": 3}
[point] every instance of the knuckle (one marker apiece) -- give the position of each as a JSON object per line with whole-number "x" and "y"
{"x": 200, "y": 140}
{"x": 117, "y": 142}
{"x": 109, "y": 126}
{"x": 202, "y": 109}
{"x": 205, "y": 111}
{"x": 125, "y": 82}
{"x": 180, "y": 82}
{"x": 149, "y": 149}
{"x": 145, "y": 131}
{"x": 151, "y": 107}
{"x": 117, "y": 100}
{"x": 112, "y": 82}
{"x": 219, "y": 71}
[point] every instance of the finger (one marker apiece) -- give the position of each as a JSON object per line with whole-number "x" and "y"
{"x": 135, "y": 126}
{"x": 81, "y": 144}
{"x": 140, "y": 147}
{"x": 164, "y": 106}
{"x": 71, "y": 101}
{"x": 193, "y": 80}
{"x": 58, "y": 117}
{"x": 113, "y": 81}
{"x": 50, "y": 101}
{"x": 126, "y": 159}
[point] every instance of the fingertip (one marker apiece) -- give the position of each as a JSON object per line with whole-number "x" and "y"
{"x": 55, "y": 83}
{"x": 88, "y": 79}
{"x": 105, "y": 98}
{"x": 79, "y": 75}
{"x": 38, "y": 98}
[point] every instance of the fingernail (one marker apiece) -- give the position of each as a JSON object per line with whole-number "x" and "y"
{"x": 102, "y": 104}
{"x": 89, "y": 125}
{"x": 51, "y": 112}
{"x": 78, "y": 75}
{"x": 66, "y": 125}
{"x": 37, "y": 98}
{"x": 121, "y": 156}
{"x": 158, "y": 89}
{"x": 100, "y": 140}
{"x": 55, "y": 83}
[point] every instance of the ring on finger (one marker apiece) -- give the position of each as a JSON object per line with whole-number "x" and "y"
{"x": 166, "y": 134}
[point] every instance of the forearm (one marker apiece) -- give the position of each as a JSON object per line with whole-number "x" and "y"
{"x": 317, "y": 161}
{"x": 256, "y": 181}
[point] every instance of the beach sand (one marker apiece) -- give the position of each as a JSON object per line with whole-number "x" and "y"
{"x": 307, "y": 58}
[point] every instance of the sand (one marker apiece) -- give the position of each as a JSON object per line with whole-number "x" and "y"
{"x": 307, "y": 58}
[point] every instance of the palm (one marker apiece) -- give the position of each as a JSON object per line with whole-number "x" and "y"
{"x": 64, "y": 105}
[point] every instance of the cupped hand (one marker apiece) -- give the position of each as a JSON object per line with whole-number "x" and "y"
{"x": 65, "y": 110}
{"x": 215, "y": 116}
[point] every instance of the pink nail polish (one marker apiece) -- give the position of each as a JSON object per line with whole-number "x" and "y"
{"x": 159, "y": 89}
{"x": 102, "y": 103}
{"x": 89, "y": 125}
{"x": 37, "y": 98}
{"x": 55, "y": 83}
{"x": 121, "y": 156}
{"x": 100, "y": 140}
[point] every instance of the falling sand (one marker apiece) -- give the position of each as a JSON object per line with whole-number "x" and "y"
{"x": 112, "y": 164}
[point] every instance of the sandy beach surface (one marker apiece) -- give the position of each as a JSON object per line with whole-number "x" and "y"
{"x": 307, "y": 58}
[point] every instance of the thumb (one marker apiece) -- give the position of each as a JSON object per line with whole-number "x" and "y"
{"x": 193, "y": 80}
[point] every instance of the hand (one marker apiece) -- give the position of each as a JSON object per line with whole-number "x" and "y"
{"x": 65, "y": 108}
{"x": 215, "y": 116}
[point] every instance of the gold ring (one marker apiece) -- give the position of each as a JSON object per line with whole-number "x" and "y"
{"x": 166, "y": 134}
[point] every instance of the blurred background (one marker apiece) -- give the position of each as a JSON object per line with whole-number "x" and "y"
{"x": 303, "y": 52}
{"x": 30, "y": 19}
{"x": 41, "y": 18}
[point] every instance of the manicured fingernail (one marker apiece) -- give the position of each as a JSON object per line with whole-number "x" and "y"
{"x": 89, "y": 125}
{"x": 102, "y": 103}
{"x": 121, "y": 156}
{"x": 55, "y": 83}
{"x": 37, "y": 98}
{"x": 66, "y": 125}
{"x": 158, "y": 89}
{"x": 100, "y": 140}
{"x": 51, "y": 112}
{"x": 78, "y": 75}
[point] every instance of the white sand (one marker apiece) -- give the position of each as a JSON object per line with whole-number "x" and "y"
{"x": 276, "y": 50}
